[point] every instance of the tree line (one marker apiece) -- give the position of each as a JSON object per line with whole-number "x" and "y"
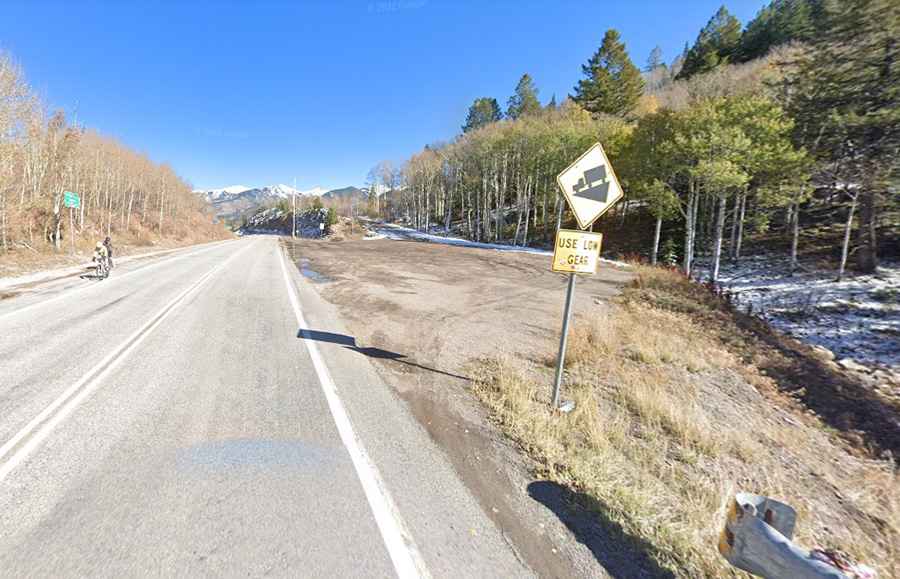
{"x": 122, "y": 192}
{"x": 751, "y": 130}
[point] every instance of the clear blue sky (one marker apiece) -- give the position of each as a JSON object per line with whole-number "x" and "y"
{"x": 261, "y": 93}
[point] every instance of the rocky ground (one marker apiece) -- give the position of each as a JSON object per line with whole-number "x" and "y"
{"x": 853, "y": 324}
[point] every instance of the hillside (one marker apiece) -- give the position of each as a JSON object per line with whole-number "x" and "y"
{"x": 112, "y": 189}
{"x": 345, "y": 193}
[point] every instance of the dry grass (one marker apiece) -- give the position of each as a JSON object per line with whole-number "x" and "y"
{"x": 667, "y": 427}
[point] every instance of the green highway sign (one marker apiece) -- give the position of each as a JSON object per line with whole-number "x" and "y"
{"x": 71, "y": 199}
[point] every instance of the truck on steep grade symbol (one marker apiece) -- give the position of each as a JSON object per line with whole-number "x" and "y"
{"x": 593, "y": 185}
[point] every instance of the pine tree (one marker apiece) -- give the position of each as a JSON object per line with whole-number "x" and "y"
{"x": 552, "y": 106}
{"x": 613, "y": 84}
{"x": 524, "y": 101}
{"x": 780, "y": 22}
{"x": 716, "y": 44}
{"x": 847, "y": 93}
{"x": 483, "y": 111}
{"x": 656, "y": 74}
{"x": 655, "y": 60}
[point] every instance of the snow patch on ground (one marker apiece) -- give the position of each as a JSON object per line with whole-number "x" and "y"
{"x": 398, "y": 232}
{"x": 391, "y": 231}
{"x": 857, "y": 318}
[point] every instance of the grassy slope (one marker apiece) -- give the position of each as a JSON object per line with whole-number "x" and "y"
{"x": 675, "y": 412}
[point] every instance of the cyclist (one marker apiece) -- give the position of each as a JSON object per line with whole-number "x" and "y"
{"x": 101, "y": 256}
{"x": 109, "y": 251}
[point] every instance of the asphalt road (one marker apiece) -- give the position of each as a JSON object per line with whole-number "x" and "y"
{"x": 176, "y": 419}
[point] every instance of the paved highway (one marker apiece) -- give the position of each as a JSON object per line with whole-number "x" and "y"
{"x": 176, "y": 419}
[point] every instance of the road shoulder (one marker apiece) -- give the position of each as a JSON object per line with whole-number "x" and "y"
{"x": 454, "y": 534}
{"x": 402, "y": 303}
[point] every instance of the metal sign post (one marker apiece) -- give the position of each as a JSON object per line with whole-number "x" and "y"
{"x": 73, "y": 202}
{"x": 561, "y": 357}
{"x": 590, "y": 187}
{"x": 574, "y": 252}
{"x": 72, "y": 228}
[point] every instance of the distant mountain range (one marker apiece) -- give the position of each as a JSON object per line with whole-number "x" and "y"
{"x": 345, "y": 192}
{"x": 236, "y": 200}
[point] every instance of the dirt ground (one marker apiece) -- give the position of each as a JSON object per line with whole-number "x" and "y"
{"x": 427, "y": 312}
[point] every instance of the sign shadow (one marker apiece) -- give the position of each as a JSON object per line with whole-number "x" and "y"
{"x": 620, "y": 553}
{"x": 349, "y": 342}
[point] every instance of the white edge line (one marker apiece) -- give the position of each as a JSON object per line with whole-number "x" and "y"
{"x": 89, "y": 381}
{"x": 402, "y": 549}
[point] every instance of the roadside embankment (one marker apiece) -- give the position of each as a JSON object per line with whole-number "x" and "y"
{"x": 679, "y": 404}
{"x": 681, "y": 401}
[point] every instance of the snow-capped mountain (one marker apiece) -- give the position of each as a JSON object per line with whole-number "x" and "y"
{"x": 213, "y": 194}
{"x": 315, "y": 191}
{"x": 260, "y": 193}
{"x": 232, "y": 201}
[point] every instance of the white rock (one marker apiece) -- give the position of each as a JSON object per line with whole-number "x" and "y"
{"x": 850, "y": 364}
{"x": 823, "y": 353}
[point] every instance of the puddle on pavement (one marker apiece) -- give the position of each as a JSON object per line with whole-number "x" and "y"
{"x": 310, "y": 273}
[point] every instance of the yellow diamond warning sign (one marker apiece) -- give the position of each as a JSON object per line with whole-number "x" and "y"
{"x": 576, "y": 251}
{"x": 590, "y": 186}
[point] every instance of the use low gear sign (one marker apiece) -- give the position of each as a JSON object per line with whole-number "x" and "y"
{"x": 590, "y": 186}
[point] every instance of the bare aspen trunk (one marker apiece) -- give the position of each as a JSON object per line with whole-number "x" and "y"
{"x": 734, "y": 225}
{"x": 740, "y": 231}
{"x": 717, "y": 240}
{"x": 708, "y": 205}
{"x": 499, "y": 190}
{"x": 867, "y": 248}
{"x": 162, "y": 204}
{"x": 520, "y": 200}
{"x": 528, "y": 185}
{"x": 795, "y": 237}
{"x": 128, "y": 218}
{"x": 109, "y": 215}
{"x": 788, "y": 217}
{"x": 544, "y": 216}
{"x": 3, "y": 241}
{"x": 655, "y": 250}
{"x": 427, "y": 213}
{"x": 689, "y": 229}
{"x": 58, "y": 218}
{"x": 559, "y": 211}
{"x": 845, "y": 248}
{"x": 448, "y": 204}
{"x": 467, "y": 209}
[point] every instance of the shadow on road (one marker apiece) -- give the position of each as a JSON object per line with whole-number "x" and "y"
{"x": 621, "y": 554}
{"x": 349, "y": 342}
